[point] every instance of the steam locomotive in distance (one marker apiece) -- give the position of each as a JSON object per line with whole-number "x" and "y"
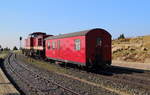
{"x": 86, "y": 48}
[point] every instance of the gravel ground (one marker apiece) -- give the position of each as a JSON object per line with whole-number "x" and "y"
{"x": 123, "y": 80}
{"x": 33, "y": 84}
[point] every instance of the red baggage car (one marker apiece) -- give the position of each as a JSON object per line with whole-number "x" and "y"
{"x": 88, "y": 48}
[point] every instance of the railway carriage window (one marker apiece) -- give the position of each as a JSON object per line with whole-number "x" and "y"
{"x": 99, "y": 41}
{"x": 48, "y": 45}
{"x": 39, "y": 42}
{"x": 53, "y": 45}
{"x": 77, "y": 44}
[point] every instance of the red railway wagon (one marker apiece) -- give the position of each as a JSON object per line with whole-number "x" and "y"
{"x": 88, "y": 48}
{"x": 35, "y": 44}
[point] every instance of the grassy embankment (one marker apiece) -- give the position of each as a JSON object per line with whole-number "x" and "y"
{"x": 132, "y": 49}
{"x": 44, "y": 65}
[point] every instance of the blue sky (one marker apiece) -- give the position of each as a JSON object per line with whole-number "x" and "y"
{"x": 21, "y": 17}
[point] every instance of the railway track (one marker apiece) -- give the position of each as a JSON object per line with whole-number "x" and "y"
{"x": 31, "y": 87}
{"x": 21, "y": 78}
{"x": 34, "y": 82}
{"x": 123, "y": 81}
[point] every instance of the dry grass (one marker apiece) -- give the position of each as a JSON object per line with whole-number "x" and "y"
{"x": 3, "y": 54}
{"x": 17, "y": 51}
{"x": 45, "y": 65}
{"x": 138, "y": 49}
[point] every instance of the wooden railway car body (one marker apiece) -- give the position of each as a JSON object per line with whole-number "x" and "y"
{"x": 88, "y": 48}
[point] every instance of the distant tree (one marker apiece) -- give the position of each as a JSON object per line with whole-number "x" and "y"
{"x": 15, "y": 48}
{"x": 6, "y": 49}
{"x": 121, "y": 36}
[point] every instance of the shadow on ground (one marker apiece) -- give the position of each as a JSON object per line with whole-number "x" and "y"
{"x": 1, "y": 62}
{"x": 108, "y": 71}
{"x": 12, "y": 94}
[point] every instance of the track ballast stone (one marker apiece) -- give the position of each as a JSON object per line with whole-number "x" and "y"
{"x": 38, "y": 86}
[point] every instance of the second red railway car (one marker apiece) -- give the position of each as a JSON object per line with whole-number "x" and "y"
{"x": 87, "y": 48}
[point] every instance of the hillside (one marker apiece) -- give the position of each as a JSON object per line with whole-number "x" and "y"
{"x": 132, "y": 49}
